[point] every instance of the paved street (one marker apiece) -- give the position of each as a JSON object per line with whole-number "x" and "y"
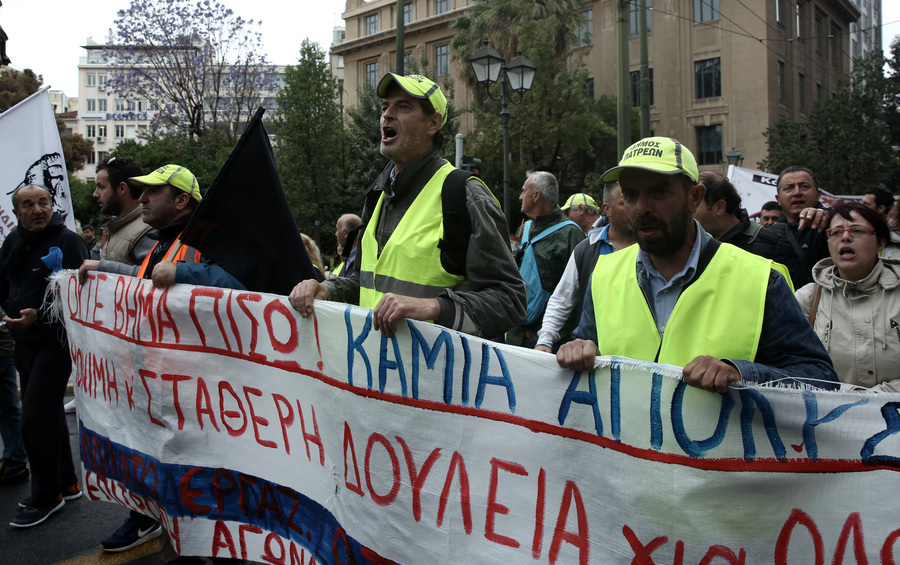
{"x": 72, "y": 535}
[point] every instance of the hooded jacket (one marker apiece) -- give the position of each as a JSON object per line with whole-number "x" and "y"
{"x": 859, "y": 323}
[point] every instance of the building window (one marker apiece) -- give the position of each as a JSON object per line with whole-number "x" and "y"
{"x": 708, "y": 78}
{"x": 407, "y": 13}
{"x": 90, "y": 131}
{"x": 407, "y": 58}
{"x": 340, "y": 62}
{"x": 90, "y": 79}
{"x": 636, "y": 87}
{"x": 120, "y": 105}
{"x": 91, "y": 158}
{"x": 835, "y": 45}
{"x": 801, "y": 85}
{"x": 101, "y": 131}
{"x": 709, "y": 145}
{"x": 142, "y": 105}
{"x": 101, "y": 105}
{"x": 801, "y": 21}
{"x": 442, "y": 59}
{"x": 706, "y": 10}
{"x": 779, "y": 11}
{"x": 820, "y": 34}
{"x": 780, "y": 81}
{"x": 372, "y": 24}
{"x": 129, "y": 105}
{"x": 819, "y": 93}
{"x": 589, "y": 88}
{"x": 120, "y": 131}
{"x": 101, "y": 79}
{"x": 91, "y": 105}
{"x": 441, "y": 6}
{"x": 101, "y": 155}
{"x": 584, "y": 35}
{"x": 633, "y": 12}
{"x": 372, "y": 75}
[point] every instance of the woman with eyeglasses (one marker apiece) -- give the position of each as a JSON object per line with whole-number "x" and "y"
{"x": 854, "y": 303}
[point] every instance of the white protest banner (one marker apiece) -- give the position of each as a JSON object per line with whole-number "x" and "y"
{"x": 252, "y": 433}
{"x": 31, "y": 153}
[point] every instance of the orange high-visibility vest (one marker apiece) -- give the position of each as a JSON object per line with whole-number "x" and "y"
{"x": 176, "y": 252}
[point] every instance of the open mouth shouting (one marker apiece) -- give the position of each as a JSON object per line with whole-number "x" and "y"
{"x": 387, "y": 134}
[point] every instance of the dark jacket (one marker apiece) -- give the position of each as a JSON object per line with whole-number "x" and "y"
{"x": 24, "y": 276}
{"x": 751, "y": 236}
{"x": 799, "y": 250}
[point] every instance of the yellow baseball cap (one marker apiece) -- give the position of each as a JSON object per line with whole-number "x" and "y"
{"x": 418, "y": 87}
{"x": 658, "y": 154}
{"x": 579, "y": 199}
{"x": 173, "y": 175}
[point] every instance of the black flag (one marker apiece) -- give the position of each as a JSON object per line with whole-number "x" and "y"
{"x": 244, "y": 222}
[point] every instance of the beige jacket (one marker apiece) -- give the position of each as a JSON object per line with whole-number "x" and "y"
{"x": 859, "y": 323}
{"x": 124, "y": 232}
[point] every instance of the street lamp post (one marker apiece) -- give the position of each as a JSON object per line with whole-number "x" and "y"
{"x": 734, "y": 157}
{"x": 517, "y": 77}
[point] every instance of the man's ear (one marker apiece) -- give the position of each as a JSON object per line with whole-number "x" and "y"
{"x": 182, "y": 200}
{"x": 434, "y": 123}
{"x": 695, "y": 196}
{"x": 719, "y": 207}
{"x": 123, "y": 188}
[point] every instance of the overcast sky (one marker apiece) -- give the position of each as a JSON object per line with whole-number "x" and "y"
{"x": 47, "y": 35}
{"x": 52, "y": 47}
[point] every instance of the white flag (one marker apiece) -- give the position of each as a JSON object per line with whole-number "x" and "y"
{"x": 31, "y": 153}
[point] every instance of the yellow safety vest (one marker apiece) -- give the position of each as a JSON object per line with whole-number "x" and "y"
{"x": 410, "y": 263}
{"x": 719, "y": 314}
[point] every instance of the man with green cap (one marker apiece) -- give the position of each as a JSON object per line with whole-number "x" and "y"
{"x": 170, "y": 195}
{"x": 582, "y": 209}
{"x": 682, "y": 298}
{"x": 413, "y": 262}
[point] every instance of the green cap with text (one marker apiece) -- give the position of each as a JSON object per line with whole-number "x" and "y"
{"x": 657, "y": 154}
{"x": 174, "y": 175}
{"x": 417, "y": 86}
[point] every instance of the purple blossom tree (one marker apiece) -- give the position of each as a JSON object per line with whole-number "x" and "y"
{"x": 197, "y": 62}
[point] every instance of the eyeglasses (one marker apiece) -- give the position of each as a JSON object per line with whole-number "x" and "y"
{"x": 855, "y": 231}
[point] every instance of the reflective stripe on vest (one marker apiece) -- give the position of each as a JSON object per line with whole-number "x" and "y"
{"x": 719, "y": 314}
{"x": 176, "y": 252}
{"x": 410, "y": 263}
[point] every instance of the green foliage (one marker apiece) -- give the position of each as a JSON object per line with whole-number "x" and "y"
{"x": 76, "y": 150}
{"x": 86, "y": 209}
{"x": 848, "y": 140}
{"x": 364, "y": 160}
{"x": 556, "y": 127}
{"x": 16, "y": 86}
{"x": 309, "y": 150}
{"x": 203, "y": 156}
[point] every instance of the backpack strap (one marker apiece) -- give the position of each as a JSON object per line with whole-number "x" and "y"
{"x": 454, "y": 245}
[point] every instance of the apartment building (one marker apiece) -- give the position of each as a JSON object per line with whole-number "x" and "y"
{"x": 721, "y": 72}
{"x": 103, "y": 115}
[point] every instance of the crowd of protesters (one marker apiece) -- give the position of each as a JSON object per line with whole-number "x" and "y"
{"x": 669, "y": 269}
